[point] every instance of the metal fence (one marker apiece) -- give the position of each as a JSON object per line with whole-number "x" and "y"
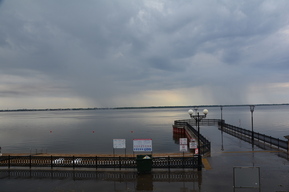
{"x": 94, "y": 162}
{"x": 234, "y": 130}
{"x": 206, "y": 144}
{"x": 257, "y": 136}
{"x": 192, "y": 122}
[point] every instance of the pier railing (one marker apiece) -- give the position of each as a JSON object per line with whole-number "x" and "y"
{"x": 237, "y": 131}
{"x": 205, "y": 146}
{"x": 94, "y": 162}
{"x": 192, "y": 122}
{"x": 233, "y": 130}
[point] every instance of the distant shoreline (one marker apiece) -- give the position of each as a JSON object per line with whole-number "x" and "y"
{"x": 149, "y": 107}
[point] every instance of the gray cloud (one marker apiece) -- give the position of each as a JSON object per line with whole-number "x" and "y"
{"x": 107, "y": 51}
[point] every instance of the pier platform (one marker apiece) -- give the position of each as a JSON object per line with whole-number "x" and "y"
{"x": 229, "y": 152}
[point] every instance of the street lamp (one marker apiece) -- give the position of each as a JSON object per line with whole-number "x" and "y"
{"x": 221, "y": 117}
{"x": 252, "y": 110}
{"x": 196, "y": 115}
{"x": 222, "y": 128}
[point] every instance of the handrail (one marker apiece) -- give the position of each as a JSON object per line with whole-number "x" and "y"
{"x": 206, "y": 144}
{"x": 94, "y": 162}
{"x": 227, "y": 127}
{"x": 258, "y": 136}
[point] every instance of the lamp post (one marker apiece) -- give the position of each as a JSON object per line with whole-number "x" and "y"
{"x": 252, "y": 110}
{"x": 221, "y": 117}
{"x": 222, "y": 128}
{"x": 196, "y": 115}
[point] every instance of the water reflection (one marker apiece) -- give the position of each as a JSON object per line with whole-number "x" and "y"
{"x": 179, "y": 180}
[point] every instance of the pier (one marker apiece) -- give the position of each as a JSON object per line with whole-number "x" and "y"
{"x": 260, "y": 139}
{"x": 188, "y": 128}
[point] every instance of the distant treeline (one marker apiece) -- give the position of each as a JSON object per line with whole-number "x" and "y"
{"x": 150, "y": 107}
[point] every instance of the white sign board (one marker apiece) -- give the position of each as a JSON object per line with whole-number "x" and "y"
{"x": 183, "y": 148}
{"x": 141, "y": 145}
{"x": 193, "y": 145}
{"x": 119, "y": 144}
{"x": 183, "y": 141}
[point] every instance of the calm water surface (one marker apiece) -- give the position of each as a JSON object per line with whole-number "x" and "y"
{"x": 93, "y": 131}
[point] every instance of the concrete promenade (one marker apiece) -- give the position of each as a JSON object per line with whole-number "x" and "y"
{"x": 229, "y": 152}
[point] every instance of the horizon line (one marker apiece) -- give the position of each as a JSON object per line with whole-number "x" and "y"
{"x": 139, "y": 107}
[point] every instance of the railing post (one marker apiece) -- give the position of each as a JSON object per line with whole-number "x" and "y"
{"x": 169, "y": 162}
{"x": 287, "y": 137}
{"x": 73, "y": 162}
{"x": 183, "y": 162}
{"x": 278, "y": 143}
{"x": 51, "y": 163}
{"x": 270, "y": 141}
{"x": 95, "y": 162}
{"x": 119, "y": 160}
{"x": 30, "y": 161}
{"x": 9, "y": 161}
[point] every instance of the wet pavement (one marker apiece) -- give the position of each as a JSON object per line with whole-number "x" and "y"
{"x": 229, "y": 152}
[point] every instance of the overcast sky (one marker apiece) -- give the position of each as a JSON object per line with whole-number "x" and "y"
{"x": 110, "y": 53}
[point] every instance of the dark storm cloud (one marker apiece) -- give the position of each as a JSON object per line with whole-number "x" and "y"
{"x": 105, "y": 51}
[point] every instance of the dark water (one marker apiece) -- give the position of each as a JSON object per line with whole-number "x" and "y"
{"x": 93, "y": 132}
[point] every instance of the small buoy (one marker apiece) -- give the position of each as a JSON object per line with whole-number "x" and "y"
{"x": 131, "y": 131}
{"x": 50, "y": 131}
{"x": 92, "y": 131}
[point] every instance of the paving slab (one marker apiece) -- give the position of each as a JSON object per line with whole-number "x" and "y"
{"x": 229, "y": 152}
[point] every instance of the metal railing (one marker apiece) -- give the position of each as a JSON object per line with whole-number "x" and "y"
{"x": 206, "y": 144}
{"x": 94, "y": 162}
{"x": 204, "y": 122}
{"x": 234, "y": 130}
{"x": 257, "y": 136}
